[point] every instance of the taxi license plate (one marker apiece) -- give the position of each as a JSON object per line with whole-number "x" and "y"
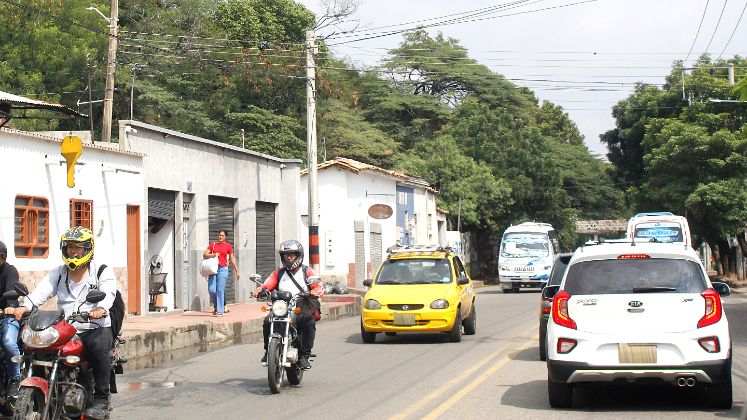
{"x": 636, "y": 353}
{"x": 404, "y": 320}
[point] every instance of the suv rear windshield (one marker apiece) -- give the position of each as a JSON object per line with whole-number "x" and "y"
{"x": 634, "y": 276}
{"x": 415, "y": 271}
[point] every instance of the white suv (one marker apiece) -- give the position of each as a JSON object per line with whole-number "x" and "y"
{"x": 638, "y": 312}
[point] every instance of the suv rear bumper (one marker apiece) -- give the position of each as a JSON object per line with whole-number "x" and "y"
{"x": 712, "y": 371}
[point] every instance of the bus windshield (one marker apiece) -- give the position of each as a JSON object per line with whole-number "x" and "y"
{"x": 525, "y": 244}
{"x": 663, "y": 232}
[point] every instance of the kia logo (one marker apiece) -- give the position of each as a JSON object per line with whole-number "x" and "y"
{"x": 405, "y": 307}
{"x": 635, "y": 304}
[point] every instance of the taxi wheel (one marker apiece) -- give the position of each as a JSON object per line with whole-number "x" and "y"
{"x": 455, "y": 335}
{"x": 390, "y": 333}
{"x": 470, "y": 324}
{"x": 367, "y": 337}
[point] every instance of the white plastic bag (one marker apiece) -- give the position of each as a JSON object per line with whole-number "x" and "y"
{"x": 209, "y": 266}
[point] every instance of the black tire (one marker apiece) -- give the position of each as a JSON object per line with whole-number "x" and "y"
{"x": 543, "y": 344}
{"x": 720, "y": 395}
{"x": 367, "y": 337}
{"x": 455, "y": 335}
{"x": 390, "y": 333}
{"x": 470, "y": 324}
{"x": 560, "y": 395}
{"x": 274, "y": 370}
{"x": 294, "y": 374}
{"x": 504, "y": 290}
{"x": 29, "y": 405}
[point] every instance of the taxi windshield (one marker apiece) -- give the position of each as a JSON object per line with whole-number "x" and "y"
{"x": 415, "y": 271}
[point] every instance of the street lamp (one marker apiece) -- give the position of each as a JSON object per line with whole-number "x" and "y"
{"x": 108, "y": 19}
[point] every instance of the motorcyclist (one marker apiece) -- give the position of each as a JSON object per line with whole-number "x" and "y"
{"x": 291, "y": 257}
{"x": 8, "y": 279}
{"x": 71, "y": 283}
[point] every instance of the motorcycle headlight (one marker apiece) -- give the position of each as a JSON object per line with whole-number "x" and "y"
{"x": 39, "y": 339}
{"x": 279, "y": 308}
{"x": 440, "y": 304}
{"x": 372, "y": 304}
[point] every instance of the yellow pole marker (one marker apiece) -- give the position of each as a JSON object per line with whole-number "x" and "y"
{"x": 72, "y": 147}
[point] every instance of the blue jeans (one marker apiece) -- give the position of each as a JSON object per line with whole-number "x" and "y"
{"x": 217, "y": 288}
{"x": 10, "y": 346}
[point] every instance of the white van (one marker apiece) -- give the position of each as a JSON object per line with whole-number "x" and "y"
{"x": 526, "y": 256}
{"x": 664, "y": 226}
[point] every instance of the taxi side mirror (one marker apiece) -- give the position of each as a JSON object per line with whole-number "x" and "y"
{"x": 462, "y": 280}
{"x": 367, "y": 282}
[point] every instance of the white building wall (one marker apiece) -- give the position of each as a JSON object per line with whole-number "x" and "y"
{"x": 31, "y": 164}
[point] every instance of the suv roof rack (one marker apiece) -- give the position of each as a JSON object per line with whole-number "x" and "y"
{"x": 654, "y": 213}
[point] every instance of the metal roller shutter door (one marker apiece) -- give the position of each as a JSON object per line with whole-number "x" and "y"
{"x": 267, "y": 257}
{"x": 221, "y": 216}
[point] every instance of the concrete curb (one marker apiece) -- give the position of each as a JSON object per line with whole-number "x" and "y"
{"x": 176, "y": 342}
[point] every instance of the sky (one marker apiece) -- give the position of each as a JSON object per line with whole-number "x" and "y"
{"x": 584, "y": 55}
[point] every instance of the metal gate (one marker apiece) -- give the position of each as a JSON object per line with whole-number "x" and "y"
{"x": 267, "y": 257}
{"x": 221, "y": 217}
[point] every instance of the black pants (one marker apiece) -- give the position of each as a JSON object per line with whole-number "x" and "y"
{"x": 306, "y": 327}
{"x": 97, "y": 346}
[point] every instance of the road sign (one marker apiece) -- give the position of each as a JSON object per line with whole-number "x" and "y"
{"x": 72, "y": 147}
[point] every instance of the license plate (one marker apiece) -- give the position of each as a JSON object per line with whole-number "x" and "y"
{"x": 636, "y": 353}
{"x": 404, "y": 320}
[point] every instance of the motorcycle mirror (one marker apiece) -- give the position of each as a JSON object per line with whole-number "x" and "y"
{"x": 256, "y": 278}
{"x": 95, "y": 296}
{"x": 314, "y": 279}
{"x": 21, "y": 289}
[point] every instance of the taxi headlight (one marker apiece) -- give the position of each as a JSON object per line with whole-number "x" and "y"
{"x": 279, "y": 308}
{"x": 39, "y": 339}
{"x": 440, "y": 304}
{"x": 372, "y": 304}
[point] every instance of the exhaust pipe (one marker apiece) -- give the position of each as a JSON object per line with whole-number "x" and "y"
{"x": 690, "y": 382}
{"x": 681, "y": 382}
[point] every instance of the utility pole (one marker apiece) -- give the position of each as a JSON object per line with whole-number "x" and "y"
{"x": 311, "y": 149}
{"x": 242, "y": 139}
{"x": 111, "y": 65}
{"x": 132, "y": 92}
{"x": 90, "y": 99}
{"x": 731, "y": 74}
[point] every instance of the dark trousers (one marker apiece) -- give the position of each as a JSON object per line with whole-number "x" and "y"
{"x": 306, "y": 327}
{"x": 97, "y": 346}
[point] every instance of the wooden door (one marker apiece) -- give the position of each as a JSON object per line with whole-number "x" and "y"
{"x": 133, "y": 260}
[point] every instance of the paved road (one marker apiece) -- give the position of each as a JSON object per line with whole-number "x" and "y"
{"x": 495, "y": 373}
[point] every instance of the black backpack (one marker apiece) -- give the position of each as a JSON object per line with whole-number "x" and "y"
{"x": 117, "y": 311}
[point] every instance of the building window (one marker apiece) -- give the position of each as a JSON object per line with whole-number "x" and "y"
{"x": 81, "y": 213}
{"x": 31, "y": 227}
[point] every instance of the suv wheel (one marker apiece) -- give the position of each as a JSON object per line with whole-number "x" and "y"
{"x": 560, "y": 394}
{"x": 367, "y": 337}
{"x": 720, "y": 395}
{"x": 543, "y": 344}
{"x": 455, "y": 335}
{"x": 470, "y": 324}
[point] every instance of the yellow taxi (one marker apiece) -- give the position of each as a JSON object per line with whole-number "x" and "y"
{"x": 419, "y": 289}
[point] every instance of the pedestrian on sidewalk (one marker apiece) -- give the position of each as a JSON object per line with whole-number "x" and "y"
{"x": 9, "y": 342}
{"x": 217, "y": 282}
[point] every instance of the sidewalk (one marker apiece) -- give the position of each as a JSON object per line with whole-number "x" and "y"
{"x": 161, "y": 337}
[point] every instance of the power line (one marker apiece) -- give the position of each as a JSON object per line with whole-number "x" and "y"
{"x": 698, "y": 31}
{"x": 717, "y": 25}
{"x": 732, "y": 32}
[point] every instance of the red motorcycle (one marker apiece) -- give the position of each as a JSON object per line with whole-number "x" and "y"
{"x": 57, "y": 383}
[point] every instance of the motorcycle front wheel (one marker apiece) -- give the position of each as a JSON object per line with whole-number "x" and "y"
{"x": 29, "y": 405}
{"x": 275, "y": 370}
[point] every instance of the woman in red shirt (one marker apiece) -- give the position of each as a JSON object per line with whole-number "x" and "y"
{"x": 217, "y": 282}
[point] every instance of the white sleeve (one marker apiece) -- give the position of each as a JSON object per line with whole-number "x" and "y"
{"x": 43, "y": 291}
{"x": 108, "y": 285}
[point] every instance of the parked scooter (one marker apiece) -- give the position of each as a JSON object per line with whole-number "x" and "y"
{"x": 285, "y": 340}
{"x": 58, "y": 383}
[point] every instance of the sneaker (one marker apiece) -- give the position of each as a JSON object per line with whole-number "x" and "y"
{"x": 13, "y": 386}
{"x": 264, "y": 360}
{"x": 99, "y": 410}
{"x": 303, "y": 363}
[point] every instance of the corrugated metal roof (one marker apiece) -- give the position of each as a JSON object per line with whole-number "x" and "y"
{"x": 28, "y": 103}
{"x": 356, "y": 166}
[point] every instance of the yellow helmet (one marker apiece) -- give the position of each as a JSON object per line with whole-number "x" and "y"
{"x": 82, "y": 237}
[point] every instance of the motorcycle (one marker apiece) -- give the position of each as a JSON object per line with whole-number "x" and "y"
{"x": 285, "y": 340}
{"x": 58, "y": 383}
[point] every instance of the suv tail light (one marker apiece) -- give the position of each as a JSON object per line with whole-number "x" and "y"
{"x": 713, "y": 309}
{"x": 560, "y": 310}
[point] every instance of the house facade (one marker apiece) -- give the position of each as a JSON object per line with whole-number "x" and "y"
{"x": 363, "y": 210}
{"x": 37, "y": 206}
{"x": 194, "y": 187}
